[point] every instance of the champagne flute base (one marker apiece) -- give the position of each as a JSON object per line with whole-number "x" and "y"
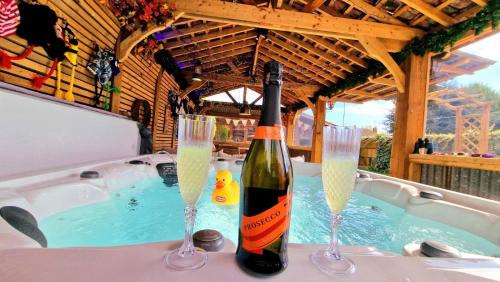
{"x": 176, "y": 260}
{"x": 332, "y": 265}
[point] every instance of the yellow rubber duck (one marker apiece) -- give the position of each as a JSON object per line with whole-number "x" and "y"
{"x": 227, "y": 190}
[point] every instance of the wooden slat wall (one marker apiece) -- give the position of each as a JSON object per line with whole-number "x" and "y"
{"x": 91, "y": 22}
{"x": 165, "y": 123}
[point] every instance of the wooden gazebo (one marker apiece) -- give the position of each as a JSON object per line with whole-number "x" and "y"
{"x": 320, "y": 44}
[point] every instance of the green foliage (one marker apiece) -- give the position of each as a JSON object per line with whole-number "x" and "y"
{"x": 389, "y": 121}
{"x": 431, "y": 42}
{"x": 223, "y": 132}
{"x": 442, "y": 142}
{"x": 382, "y": 161}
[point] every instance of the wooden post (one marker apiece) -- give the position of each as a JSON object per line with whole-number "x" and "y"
{"x": 485, "y": 128}
{"x": 317, "y": 138}
{"x": 459, "y": 126}
{"x": 156, "y": 106}
{"x": 290, "y": 126}
{"x": 411, "y": 111}
{"x": 117, "y": 80}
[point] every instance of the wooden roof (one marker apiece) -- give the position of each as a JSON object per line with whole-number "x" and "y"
{"x": 318, "y": 42}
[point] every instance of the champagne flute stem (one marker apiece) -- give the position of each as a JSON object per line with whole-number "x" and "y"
{"x": 333, "y": 249}
{"x": 187, "y": 247}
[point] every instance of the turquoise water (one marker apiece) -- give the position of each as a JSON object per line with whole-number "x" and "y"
{"x": 150, "y": 211}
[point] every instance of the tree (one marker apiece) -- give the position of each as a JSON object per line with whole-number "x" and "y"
{"x": 389, "y": 120}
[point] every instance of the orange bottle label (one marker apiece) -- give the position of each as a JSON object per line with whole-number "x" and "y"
{"x": 268, "y": 132}
{"x": 263, "y": 229}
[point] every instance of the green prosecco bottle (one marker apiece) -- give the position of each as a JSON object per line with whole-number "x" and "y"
{"x": 266, "y": 180}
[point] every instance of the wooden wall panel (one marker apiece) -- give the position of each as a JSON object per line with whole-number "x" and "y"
{"x": 92, "y": 22}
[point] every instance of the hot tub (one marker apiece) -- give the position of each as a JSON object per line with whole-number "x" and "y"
{"x": 130, "y": 204}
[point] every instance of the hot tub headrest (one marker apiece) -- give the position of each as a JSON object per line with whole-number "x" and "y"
{"x": 24, "y": 222}
{"x": 437, "y": 249}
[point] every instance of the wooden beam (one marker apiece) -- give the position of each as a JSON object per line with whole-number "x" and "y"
{"x": 192, "y": 31}
{"x": 430, "y": 11}
{"x": 410, "y": 116}
{"x": 302, "y": 63}
{"x": 374, "y": 12}
{"x": 246, "y": 81}
{"x": 231, "y": 97}
{"x": 481, "y": 3}
{"x": 212, "y": 44}
{"x": 383, "y": 81}
{"x": 317, "y": 138}
{"x": 313, "y": 50}
{"x": 441, "y": 6}
{"x": 290, "y": 125}
{"x": 312, "y": 5}
{"x": 377, "y": 51}
{"x": 194, "y": 86}
{"x": 156, "y": 105}
{"x": 207, "y": 37}
{"x": 293, "y": 21}
{"x": 337, "y": 50}
{"x": 294, "y": 69}
{"x": 214, "y": 51}
{"x": 221, "y": 58}
{"x": 308, "y": 57}
{"x": 126, "y": 45}
{"x": 256, "y": 55}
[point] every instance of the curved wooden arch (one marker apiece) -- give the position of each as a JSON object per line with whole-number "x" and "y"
{"x": 126, "y": 45}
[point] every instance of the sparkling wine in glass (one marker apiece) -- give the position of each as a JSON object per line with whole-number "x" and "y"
{"x": 194, "y": 153}
{"x": 338, "y": 168}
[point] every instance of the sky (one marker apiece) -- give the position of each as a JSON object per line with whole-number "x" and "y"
{"x": 371, "y": 114}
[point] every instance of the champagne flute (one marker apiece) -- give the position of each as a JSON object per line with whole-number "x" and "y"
{"x": 340, "y": 161}
{"x": 194, "y": 152}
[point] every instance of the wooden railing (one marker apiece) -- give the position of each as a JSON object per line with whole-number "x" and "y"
{"x": 474, "y": 176}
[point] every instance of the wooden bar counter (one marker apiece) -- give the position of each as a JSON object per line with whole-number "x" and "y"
{"x": 416, "y": 161}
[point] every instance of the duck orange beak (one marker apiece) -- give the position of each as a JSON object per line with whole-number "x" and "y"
{"x": 219, "y": 185}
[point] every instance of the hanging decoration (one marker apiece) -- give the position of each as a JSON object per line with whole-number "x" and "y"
{"x": 137, "y": 14}
{"x": 164, "y": 59}
{"x": 252, "y": 122}
{"x": 147, "y": 48}
{"x": 104, "y": 66}
{"x": 228, "y": 121}
{"x": 244, "y": 121}
{"x": 41, "y": 26}
{"x": 435, "y": 42}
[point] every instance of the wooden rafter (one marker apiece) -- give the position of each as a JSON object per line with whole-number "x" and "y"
{"x": 245, "y": 81}
{"x": 191, "y": 31}
{"x": 374, "y": 12}
{"x": 305, "y": 56}
{"x": 207, "y": 37}
{"x": 430, "y": 11}
{"x": 301, "y": 62}
{"x": 312, "y": 5}
{"x": 280, "y": 19}
{"x": 256, "y": 54}
{"x": 213, "y": 44}
{"x": 231, "y": 97}
{"x": 335, "y": 49}
{"x": 218, "y": 57}
{"x": 294, "y": 68}
{"x": 215, "y": 51}
{"x": 313, "y": 50}
{"x": 377, "y": 51}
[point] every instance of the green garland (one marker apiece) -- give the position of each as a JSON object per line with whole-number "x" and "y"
{"x": 435, "y": 43}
